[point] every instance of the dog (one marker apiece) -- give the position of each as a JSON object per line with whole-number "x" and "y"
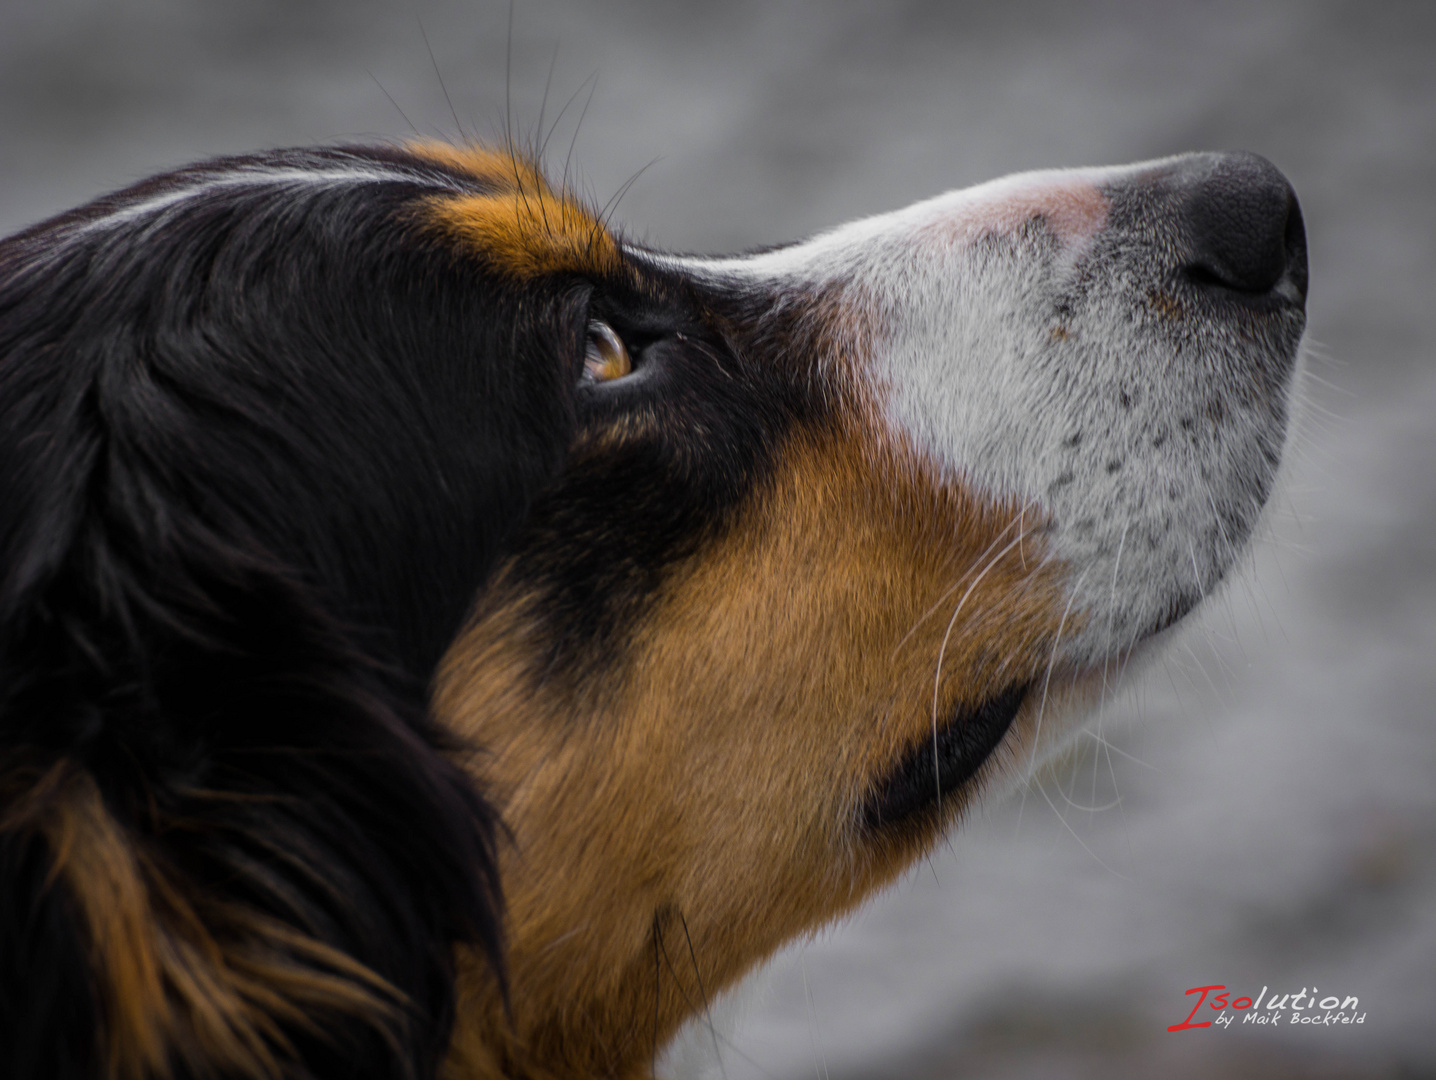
{"x": 439, "y": 636}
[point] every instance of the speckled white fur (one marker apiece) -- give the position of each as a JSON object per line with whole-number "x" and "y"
{"x": 1036, "y": 346}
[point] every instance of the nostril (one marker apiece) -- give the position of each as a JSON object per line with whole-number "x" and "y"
{"x": 1245, "y": 253}
{"x": 1243, "y": 226}
{"x": 1208, "y": 275}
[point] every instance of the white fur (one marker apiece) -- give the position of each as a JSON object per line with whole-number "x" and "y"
{"x": 198, "y": 185}
{"x": 1034, "y": 350}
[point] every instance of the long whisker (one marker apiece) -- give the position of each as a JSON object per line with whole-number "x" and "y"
{"x": 1051, "y": 661}
{"x": 938, "y": 603}
{"x": 1196, "y": 573}
{"x": 703, "y": 994}
{"x": 440, "y": 76}
{"x": 657, "y": 996}
{"x": 394, "y": 103}
{"x": 733, "y": 1048}
{"x": 543, "y": 104}
{"x": 1046, "y": 684}
{"x": 667, "y": 959}
{"x": 1112, "y": 608}
{"x": 1066, "y": 825}
{"x": 601, "y": 219}
{"x": 543, "y": 146}
{"x": 812, "y": 1019}
{"x": 942, "y": 652}
{"x": 568, "y": 158}
{"x": 508, "y": 81}
{"x": 1110, "y": 651}
{"x": 1111, "y": 748}
{"x": 1090, "y": 808}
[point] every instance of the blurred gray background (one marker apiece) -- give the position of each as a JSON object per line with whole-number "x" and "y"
{"x": 1260, "y": 809}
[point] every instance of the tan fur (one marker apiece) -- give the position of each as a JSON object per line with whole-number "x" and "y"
{"x": 677, "y": 821}
{"x": 522, "y": 227}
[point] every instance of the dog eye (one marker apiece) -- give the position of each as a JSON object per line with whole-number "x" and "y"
{"x": 606, "y": 358}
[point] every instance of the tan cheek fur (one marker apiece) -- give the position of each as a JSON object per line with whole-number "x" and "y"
{"x": 677, "y": 823}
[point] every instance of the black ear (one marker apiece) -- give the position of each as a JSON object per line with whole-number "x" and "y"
{"x": 256, "y": 852}
{"x": 258, "y": 454}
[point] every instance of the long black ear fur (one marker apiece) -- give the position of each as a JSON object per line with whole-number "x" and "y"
{"x": 256, "y": 456}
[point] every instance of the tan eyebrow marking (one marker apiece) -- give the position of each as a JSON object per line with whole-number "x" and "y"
{"x": 522, "y": 226}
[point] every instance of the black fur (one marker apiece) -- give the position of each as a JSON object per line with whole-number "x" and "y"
{"x": 720, "y": 379}
{"x": 258, "y": 452}
{"x": 932, "y": 770}
{"x": 261, "y": 447}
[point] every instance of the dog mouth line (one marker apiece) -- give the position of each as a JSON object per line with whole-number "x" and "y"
{"x": 938, "y": 767}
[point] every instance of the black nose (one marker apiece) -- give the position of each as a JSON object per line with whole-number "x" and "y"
{"x": 1241, "y": 223}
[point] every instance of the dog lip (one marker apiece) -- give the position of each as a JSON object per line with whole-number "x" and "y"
{"x": 941, "y": 765}
{"x": 1176, "y": 611}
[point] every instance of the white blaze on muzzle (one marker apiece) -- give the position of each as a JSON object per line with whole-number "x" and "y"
{"x": 1111, "y": 348}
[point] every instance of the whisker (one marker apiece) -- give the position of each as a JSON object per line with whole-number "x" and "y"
{"x": 510, "y": 143}
{"x": 440, "y": 76}
{"x": 657, "y": 996}
{"x": 1051, "y": 661}
{"x": 1111, "y": 654}
{"x": 392, "y": 102}
{"x": 732, "y": 1047}
{"x": 667, "y": 959}
{"x": 600, "y": 220}
{"x": 1088, "y": 809}
{"x": 543, "y": 147}
{"x": 1201, "y": 667}
{"x": 1112, "y": 748}
{"x": 543, "y": 103}
{"x": 1095, "y": 857}
{"x": 942, "y": 652}
{"x": 937, "y": 604}
{"x": 1196, "y": 573}
{"x": 819, "y": 1057}
{"x": 703, "y": 993}
{"x": 1046, "y": 684}
{"x": 573, "y": 142}
{"x": 508, "y": 81}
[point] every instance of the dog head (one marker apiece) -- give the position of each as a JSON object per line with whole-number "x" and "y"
{"x": 730, "y": 583}
{"x": 841, "y": 543}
